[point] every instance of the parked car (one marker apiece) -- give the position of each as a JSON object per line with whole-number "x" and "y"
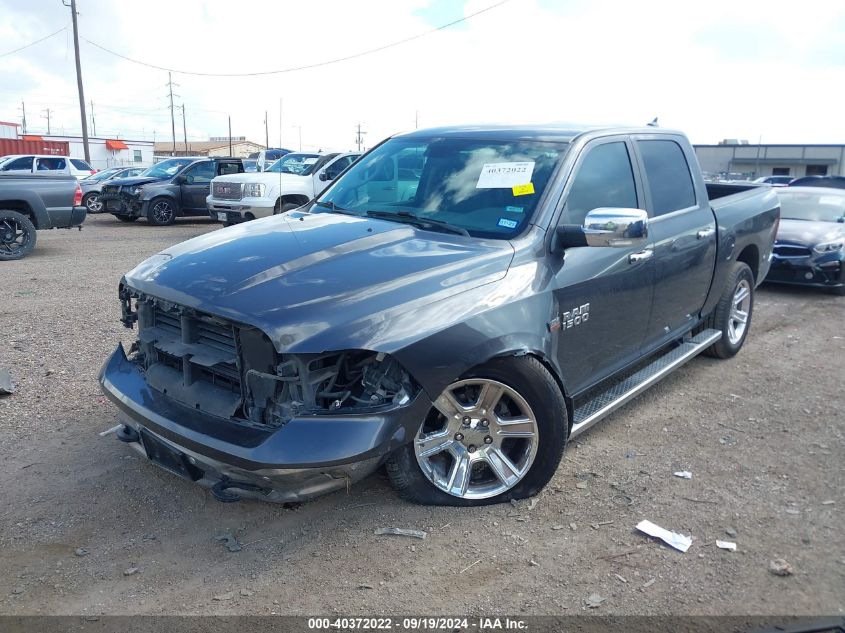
{"x": 92, "y": 186}
{"x": 835, "y": 182}
{"x": 172, "y": 188}
{"x": 457, "y": 305}
{"x": 775, "y": 181}
{"x": 46, "y": 165}
{"x": 810, "y": 244}
{"x": 267, "y": 157}
{"x": 289, "y": 183}
{"x": 35, "y": 203}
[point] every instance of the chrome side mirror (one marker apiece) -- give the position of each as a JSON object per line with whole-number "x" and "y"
{"x": 610, "y": 226}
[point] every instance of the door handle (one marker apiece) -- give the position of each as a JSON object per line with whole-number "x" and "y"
{"x": 642, "y": 256}
{"x": 705, "y": 233}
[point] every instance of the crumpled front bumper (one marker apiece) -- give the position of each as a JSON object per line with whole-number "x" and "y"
{"x": 825, "y": 271}
{"x": 307, "y": 457}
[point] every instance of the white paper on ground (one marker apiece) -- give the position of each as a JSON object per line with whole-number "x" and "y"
{"x": 505, "y": 175}
{"x": 683, "y": 474}
{"x": 678, "y": 541}
{"x": 726, "y": 545}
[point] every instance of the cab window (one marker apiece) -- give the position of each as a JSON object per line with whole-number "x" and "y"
{"x": 668, "y": 175}
{"x": 604, "y": 178}
{"x": 199, "y": 174}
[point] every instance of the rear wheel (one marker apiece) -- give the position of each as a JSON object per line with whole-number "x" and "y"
{"x": 497, "y": 434}
{"x": 92, "y": 202}
{"x": 162, "y": 212}
{"x": 17, "y": 235}
{"x": 732, "y": 315}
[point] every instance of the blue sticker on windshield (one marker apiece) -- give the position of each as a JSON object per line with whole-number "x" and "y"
{"x": 508, "y": 224}
{"x": 514, "y": 209}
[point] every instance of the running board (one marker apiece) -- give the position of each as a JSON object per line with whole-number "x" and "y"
{"x": 607, "y": 402}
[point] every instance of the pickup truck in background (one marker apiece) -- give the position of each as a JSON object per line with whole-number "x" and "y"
{"x": 173, "y": 188}
{"x": 289, "y": 183}
{"x": 36, "y": 203}
{"x": 457, "y": 322}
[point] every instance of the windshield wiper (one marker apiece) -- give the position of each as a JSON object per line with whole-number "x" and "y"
{"x": 423, "y": 223}
{"x": 328, "y": 204}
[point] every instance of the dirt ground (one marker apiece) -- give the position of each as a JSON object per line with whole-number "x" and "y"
{"x": 762, "y": 435}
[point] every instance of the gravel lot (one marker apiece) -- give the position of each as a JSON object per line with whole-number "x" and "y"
{"x": 762, "y": 435}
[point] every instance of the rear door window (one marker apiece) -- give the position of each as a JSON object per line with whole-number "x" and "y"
{"x": 604, "y": 179}
{"x": 668, "y": 175}
{"x": 50, "y": 164}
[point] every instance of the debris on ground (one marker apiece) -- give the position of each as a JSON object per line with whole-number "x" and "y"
{"x": 225, "y": 596}
{"x": 365, "y": 586}
{"x": 400, "y": 532}
{"x": 469, "y": 566}
{"x": 533, "y": 563}
{"x": 648, "y": 583}
{"x": 593, "y": 601}
{"x": 229, "y": 542}
{"x": 730, "y": 532}
{"x": 726, "y": 545}
{"x": 557, "y": 527}
{"x": 7, "y": 387}
{"x": 246, "y": 593}
{"x": 581, "y": 485}
{"x": 780, "y": 567}
{"x": 679, "y": 541}
{"x": 683, "y": 474}
{"x": 621, "y": 578}
{"x": 573, "y": 526}
{"x": 828, "y": 502}
{"x": 131, "y": 571}
{"x": 81, "y": 551}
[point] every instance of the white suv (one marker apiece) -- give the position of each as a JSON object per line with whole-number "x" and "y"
{"x": 45, "y": 164}
{"x": 287, "y": 184}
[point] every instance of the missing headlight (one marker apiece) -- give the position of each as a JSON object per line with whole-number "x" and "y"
{"x": 354, "y": 380}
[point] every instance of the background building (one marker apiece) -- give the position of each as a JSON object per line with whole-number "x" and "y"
{"x": 218, "y": 146}
{"x": 108, "y": 152}
{"x": 9, "y": 130}
{"x": 737, "y": 157}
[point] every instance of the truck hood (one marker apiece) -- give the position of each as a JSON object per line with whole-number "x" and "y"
{"x": 809, "y": 233}
{"x": 317, "y": 282}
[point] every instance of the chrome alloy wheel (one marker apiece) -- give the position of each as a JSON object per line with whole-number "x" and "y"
{"x": 13, "y": 236}
{"x": 163, "y": 212}
{"x": 740, "y": 306}
{"x": 479, "y": 440}
{"x": 94, "y": 204}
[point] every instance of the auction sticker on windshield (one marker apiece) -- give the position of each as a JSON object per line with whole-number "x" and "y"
{"x": 505, "y": 175}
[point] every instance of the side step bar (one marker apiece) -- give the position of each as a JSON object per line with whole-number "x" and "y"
{"x": 590, "y": 412}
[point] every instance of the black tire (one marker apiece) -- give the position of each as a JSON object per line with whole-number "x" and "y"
{"x": 17, "y": 235}
{"x": 161, "y": 211}
{"x": 126, "y": 218}
{"x": 720, "y": 318}
{"x": 839, "y": 291}
{"x": 92, "y": 202}
{"x": 287, "y": 206}
{"x": 528, "y": 377}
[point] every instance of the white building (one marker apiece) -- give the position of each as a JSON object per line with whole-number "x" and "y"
{"x": 109, "y": 152}
{"x": 8, "y": 130}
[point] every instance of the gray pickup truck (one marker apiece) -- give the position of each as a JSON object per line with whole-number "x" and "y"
{"x": 30, "y": 203}
{"x": 456, "y": 306}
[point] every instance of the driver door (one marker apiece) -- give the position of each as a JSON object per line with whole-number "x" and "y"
{"x": 196, "y": 185}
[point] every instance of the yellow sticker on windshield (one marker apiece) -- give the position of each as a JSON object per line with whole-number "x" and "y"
{"x": 523, "y": 190}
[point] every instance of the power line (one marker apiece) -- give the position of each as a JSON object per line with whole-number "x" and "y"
{"x": 308, "y": 66}
{"x": 46, "y": 37}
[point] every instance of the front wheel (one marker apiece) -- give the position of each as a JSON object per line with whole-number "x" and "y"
{"x": 732, "y": 316}
{"x": 162, "y": 212}
{"x": 495, "y": 435}
{"x": 93, "y": 202}
{"x": 17, "y": 235}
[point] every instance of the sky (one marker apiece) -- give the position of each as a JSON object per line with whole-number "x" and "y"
{"x": 771, "y": 71}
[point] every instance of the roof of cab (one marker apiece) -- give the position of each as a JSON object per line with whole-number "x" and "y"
{"x": 556, "y": 132}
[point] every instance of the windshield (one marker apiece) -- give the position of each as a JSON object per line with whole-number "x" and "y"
{"x": 167, "y": 168}
{"x": 487, "y": 188}
{"x": 817, "y": 207}
{"x": 250, "y": 165}
{"x": 299, "y": 164}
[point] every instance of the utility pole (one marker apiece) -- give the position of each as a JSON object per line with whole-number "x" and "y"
{"x": 170, "y": 85}
{"x": 230, "y": 135}
{"x": 184, "y": 129}
{"x": 93, "y": 120}
{"x": 82, "y": 116}
{"x": 280, "y": 121}
{"x": 266, "y": 131}
{"x": 359, "y": 138}
{"x": 416, "y": 119}
{"x": 47, "y": 116}
{"x": 23, "y": 118}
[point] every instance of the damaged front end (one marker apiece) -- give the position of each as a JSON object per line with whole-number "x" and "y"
{"x": 220, "y": 393}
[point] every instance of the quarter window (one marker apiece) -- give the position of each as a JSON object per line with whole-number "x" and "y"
{"x": 668, "y": 175}
{"x": 604, "y": 179}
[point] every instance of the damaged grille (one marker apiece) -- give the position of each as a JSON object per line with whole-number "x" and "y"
{"x": 792, "y": 250}
{"x": 226, "y": 190}
{"x": 233, "y": 371}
